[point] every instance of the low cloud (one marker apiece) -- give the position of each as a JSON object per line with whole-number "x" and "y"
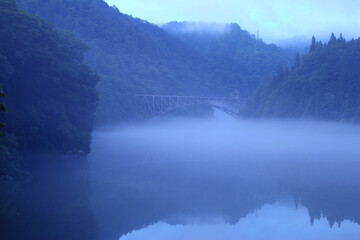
{"x": 278, "y": 19}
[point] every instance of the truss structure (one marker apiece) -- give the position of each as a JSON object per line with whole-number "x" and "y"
{"x": 160, "y": 104}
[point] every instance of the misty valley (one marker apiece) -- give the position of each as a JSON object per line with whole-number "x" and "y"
{"x": 113, "y": 127}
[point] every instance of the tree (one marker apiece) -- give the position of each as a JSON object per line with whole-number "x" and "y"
{"x": 319, "y": 45}
{"x": 341, "y": 38}
{"x": 332, "y": 39}
{"x": 313, "y": 44}
{"x": 297, "y": 62}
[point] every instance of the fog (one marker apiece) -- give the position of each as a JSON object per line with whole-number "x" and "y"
{"x": 223, "y": 136}
{"x": 198, "y": 28}
{"x": 275, "y": 20}
{"x": 196, "y": 171}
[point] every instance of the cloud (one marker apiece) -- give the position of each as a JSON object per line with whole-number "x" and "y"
{"x": 277, "y": 19}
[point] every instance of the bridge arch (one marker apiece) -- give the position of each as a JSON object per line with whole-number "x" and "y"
{"x": 158, "y": 105}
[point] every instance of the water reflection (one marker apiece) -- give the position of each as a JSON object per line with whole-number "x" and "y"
{"x": 278, "y": 221}
{"x": 53, "y": 205}
{"x": 223, "y": 170}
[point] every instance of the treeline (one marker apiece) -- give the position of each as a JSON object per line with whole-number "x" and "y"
{"x": 51, "y": 96}
{"x": 325, "y": 85}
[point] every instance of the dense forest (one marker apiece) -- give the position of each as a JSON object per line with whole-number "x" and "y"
{"x": 51, "y": 96}
{"x": 133, "y": 56}
{"x": 325, "y": 85}
{"x": 231, "y": 44}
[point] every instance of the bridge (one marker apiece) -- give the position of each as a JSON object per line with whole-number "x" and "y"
{"x": 160, "y": 104}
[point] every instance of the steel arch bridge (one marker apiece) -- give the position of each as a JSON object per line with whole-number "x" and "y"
{"x": 158, "y": 105}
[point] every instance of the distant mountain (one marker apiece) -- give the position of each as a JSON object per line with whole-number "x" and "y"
{"x": 326, "y": 85}
{"x": 133, "y": 56}
{"x": 228, "y": 42}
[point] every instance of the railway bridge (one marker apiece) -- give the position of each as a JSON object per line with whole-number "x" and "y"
{"x": 160, "y": 104}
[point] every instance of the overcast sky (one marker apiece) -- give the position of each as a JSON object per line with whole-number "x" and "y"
{"x": 275, "y": 19}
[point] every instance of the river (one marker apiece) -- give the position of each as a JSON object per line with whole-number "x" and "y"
{"x": 222, "y": 178}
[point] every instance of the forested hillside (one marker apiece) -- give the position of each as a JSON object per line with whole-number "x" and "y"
{"x": 326, "y": 85}
{"x": 51, "y": 96}
{"x": 230, "y": 43}
{"x": 134, "y": 56}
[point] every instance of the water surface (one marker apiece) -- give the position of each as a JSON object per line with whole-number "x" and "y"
{"x": 222, "y": 178}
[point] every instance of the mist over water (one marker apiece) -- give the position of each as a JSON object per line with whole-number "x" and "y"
{"x": 196, "y": 171}
{"x": 237, "y": 140}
